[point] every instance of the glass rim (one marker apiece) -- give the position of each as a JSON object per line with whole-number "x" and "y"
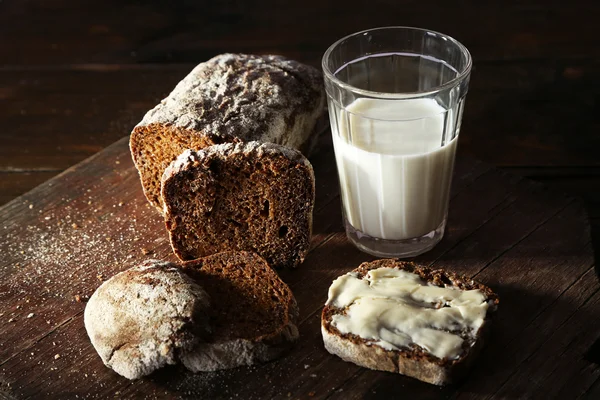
{"x": 404, "y": 95}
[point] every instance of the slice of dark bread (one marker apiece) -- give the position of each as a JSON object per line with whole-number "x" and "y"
{"x": 414, "y": 360}
{"x": 253, "y": 315}
{"x": 229, "y": 98}
{"x": 256, "y": 197}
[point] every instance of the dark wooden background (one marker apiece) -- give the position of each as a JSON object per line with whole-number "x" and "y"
{"x": 76, "y": 76}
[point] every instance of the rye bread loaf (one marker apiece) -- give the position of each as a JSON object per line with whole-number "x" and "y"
{"x": 253, "y": 313}
{"x": 256, "y": 197}
{"x": 414, "y": 360}
{"x": 229, "y": 98}
{"x": 143, "y": 318}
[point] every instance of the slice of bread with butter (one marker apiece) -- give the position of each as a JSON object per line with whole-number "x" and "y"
{"x": 396, "y": 316}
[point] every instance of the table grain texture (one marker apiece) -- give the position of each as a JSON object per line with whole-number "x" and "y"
{"x": 75, "y": 77}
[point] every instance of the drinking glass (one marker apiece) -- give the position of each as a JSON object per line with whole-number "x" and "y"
{"x": 396, "y": 97}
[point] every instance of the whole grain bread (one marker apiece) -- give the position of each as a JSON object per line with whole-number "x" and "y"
{"x": 253, "y": 315}
{"x": 143, "y": 318}
{"x": 252, "y": 196}
{"x": 229, "y": 98}
{"x": 414, "y": 361}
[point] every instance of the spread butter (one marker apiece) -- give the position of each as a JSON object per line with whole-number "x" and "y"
{"x": 394, "y": 308}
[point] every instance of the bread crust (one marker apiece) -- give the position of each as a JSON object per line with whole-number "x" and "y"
{"x": 229, "y": 98}
{"x": 415, "y": 361}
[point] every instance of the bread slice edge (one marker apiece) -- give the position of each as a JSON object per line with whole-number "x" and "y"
{"x": 235, "y": 352}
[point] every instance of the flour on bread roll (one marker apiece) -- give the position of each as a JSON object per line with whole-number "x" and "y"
{"x": 141, "y": 319}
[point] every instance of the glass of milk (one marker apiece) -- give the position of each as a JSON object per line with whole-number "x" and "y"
{"x": 396, "y": 97}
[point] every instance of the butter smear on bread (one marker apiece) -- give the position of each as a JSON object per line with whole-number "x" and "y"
{"x": 393, "y": 309}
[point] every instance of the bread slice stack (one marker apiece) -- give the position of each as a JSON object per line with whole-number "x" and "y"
{"x": 223, "y": 311}
{"x": 396, "y": 316}
{"x": 218, "y": 157}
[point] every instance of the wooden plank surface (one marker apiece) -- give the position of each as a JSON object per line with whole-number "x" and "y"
{"x": 532, "y": 245}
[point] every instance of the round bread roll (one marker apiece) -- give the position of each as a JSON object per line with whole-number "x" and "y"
{"x": 142, "y": 318}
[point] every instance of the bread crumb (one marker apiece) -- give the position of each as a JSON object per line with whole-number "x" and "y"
{"x": 47, "y": 217}
{"x": 30, "y": 315}
{"x": 145, "y": 251}
{"x": 311, "y": 394}
{"x": 74, "y": 225}
{"x": 306, "y": 366}
{"x": 56, "y": 356}
{"x": 78, "y": 298}
{"x": 31, "y": 206}
{"x": 313, "y": 375}
{"x": 11, "y": 319}
{"x": 99, "y": 277}
{"x": 120, "y": 204}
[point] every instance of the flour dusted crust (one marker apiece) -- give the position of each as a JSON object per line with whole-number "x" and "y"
{"x": 230, "y": 98}
{"x": 251, "y": 196}
{"x": 143, "y": 318}
{"x": 190, "y": 158}
{"x": 243, "y": 96}
{"x": 415, "y": 361}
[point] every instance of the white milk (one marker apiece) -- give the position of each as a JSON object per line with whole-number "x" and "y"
{"x": 395, "y": 175}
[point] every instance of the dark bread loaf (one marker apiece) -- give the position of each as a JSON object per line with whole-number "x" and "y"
{"x": 410, "y": 359}
{"x": 253, "y": 315}
{"x": 229, "y": 98}
{"x": 252, "y": 196}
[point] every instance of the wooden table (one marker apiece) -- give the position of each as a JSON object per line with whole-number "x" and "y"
{"x": 75, "y": 77}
